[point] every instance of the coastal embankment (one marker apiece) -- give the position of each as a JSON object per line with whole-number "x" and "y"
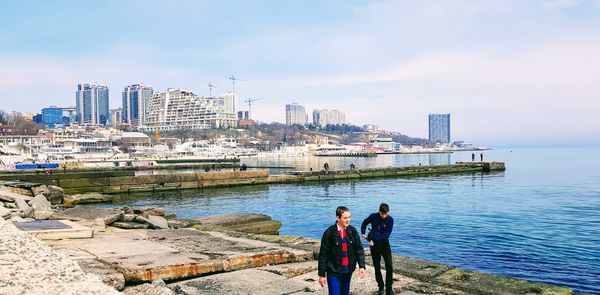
{"x": 112, "y": 182}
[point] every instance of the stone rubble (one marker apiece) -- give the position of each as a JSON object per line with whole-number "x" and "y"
{"x": 27, "y": 266}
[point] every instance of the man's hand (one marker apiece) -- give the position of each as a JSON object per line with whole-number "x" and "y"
{"x": 323, "y": 281}
{"x": 371, "y": 243}
{"x": 361, "y": 273}
{"x": 365, "y": 236}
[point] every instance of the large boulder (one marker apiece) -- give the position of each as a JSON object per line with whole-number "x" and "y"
{"x": 40, "y": 203}
{"x": 57, "y": 194}
{"x": 40, "y": 190}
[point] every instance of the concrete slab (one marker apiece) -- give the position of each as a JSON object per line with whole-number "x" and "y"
{"x": 55, "y": 229}
{"x": 109, "y": 215}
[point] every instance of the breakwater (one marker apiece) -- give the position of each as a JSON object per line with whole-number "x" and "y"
{"x": 122, "y": 181}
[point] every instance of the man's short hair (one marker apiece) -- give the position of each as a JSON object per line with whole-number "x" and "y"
{"x": 340, "y": 210}
{"x": 384, "y": 208}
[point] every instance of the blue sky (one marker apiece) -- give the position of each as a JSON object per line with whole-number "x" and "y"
{"x": 507, "y": 71}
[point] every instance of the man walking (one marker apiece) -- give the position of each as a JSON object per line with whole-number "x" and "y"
{"x": 340, "y": 251}
{"x": 381, "y": 228}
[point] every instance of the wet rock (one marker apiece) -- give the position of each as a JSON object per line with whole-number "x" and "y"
{"x": 57, "y": 195}
{"x": 41, "y": 190}
{"x": 109, "y": 215}
{"x": 129, "y": 225}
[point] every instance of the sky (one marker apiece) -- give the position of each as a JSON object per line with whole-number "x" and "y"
{"x": 509, "y": 72}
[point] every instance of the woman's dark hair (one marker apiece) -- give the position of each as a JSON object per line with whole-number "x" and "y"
{"x": 340, "y": 210}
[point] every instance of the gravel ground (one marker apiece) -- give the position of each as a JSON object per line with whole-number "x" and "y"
{"x": 27, "y": 266}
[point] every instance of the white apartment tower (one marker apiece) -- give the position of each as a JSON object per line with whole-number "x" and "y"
{"x": 323, "y": 118}
{"x": 295, "y": 114}
{"x": 180, "y": 108}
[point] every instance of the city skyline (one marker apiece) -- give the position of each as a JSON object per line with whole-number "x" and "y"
{"x": 508, "y": 71}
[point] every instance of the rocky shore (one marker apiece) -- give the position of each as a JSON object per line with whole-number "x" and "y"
{"x": 45, "y": 248}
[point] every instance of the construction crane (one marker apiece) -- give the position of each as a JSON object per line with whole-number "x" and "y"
{"x": 249, "y": 101}
{"x": 233, "y": 79}
{"x": 210, "y": 87}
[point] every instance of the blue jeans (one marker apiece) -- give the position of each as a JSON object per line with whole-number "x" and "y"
{"x": 339, "y": 285}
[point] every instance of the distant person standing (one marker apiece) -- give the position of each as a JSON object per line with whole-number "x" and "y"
{"x": 381, "y": 228}
{"x": 473, "y": 157}
{"x": 340, "y": 251}
{"x": 326, "y": 166}
{"x": 481, "y": 157}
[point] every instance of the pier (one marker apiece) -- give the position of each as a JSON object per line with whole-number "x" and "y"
{"x": 124, "y": 181}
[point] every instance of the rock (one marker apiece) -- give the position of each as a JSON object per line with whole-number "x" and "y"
{"x": 17, "y": 190}
{"x": 41, "y": 190}
{"x": 158, "y": 287}
{"x": 57, "y": 195}
{"x": 4, "y": 213}
{"x": 97, "y": 224}
{"x": 154, "y": 223}
{"x": 128, "y": 218}
{"x": 175, "y": 223}
{"x": 9, "y": 196}
{"x": 40, "y": 203}
{"x": 27, "y": 212}
{"x": 10, "y": 205}
{"x": 129, "y": 225}
{"x": 109, "y": 276}
{"x": 42, "y": 215}
{"x": 153, "y": 211}
{"x": 21, "y": 204}
{"x": 159, "y": 221}
{"x": 86, "y": 199}
{"x": 109, "y": 215}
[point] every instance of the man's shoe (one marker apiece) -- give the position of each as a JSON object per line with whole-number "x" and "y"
{"x": 381, "y": 291}
{"x": 390, "y": 292}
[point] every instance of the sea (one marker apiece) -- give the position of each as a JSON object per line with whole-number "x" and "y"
{"x": 539, "y": 220}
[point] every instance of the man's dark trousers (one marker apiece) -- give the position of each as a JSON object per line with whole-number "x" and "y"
{"x": 382, "y": 249}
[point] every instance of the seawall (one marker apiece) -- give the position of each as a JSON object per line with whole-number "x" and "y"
{"x": 118, "y": 181}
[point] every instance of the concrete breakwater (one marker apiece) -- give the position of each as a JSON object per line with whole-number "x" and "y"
{"x": 111, "y": 182}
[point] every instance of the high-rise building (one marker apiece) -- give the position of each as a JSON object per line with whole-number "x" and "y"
{"x": 135, "y": 99}
{"x": 323, "y": 118}
{"x": 243, "y": 115}
{"x": 439, "y": 128}
{"x": 52, "y": 116}
{"x": 295, "y": 114}
{"x": 180, "y": 108}
{"x": 116, "y": 117}
{"x": 92, "y": 104}
{"x": 69, "y": 115}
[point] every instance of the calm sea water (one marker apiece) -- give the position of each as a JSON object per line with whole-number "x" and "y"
{"x": 539, "y": 220}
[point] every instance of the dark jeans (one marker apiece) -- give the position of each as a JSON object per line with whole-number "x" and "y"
{"x": 382, "y": 249}
{"x": 339, "y": 285}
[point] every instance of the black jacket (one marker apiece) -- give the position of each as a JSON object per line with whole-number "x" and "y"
{"x": 330, "y": 254}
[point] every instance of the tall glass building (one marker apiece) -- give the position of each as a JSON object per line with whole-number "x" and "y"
{"x": 135, "y": 101}
{"x": 439, "y": 128}
{"x": 52, "y": 116}
{"x": 92, "y": 104}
